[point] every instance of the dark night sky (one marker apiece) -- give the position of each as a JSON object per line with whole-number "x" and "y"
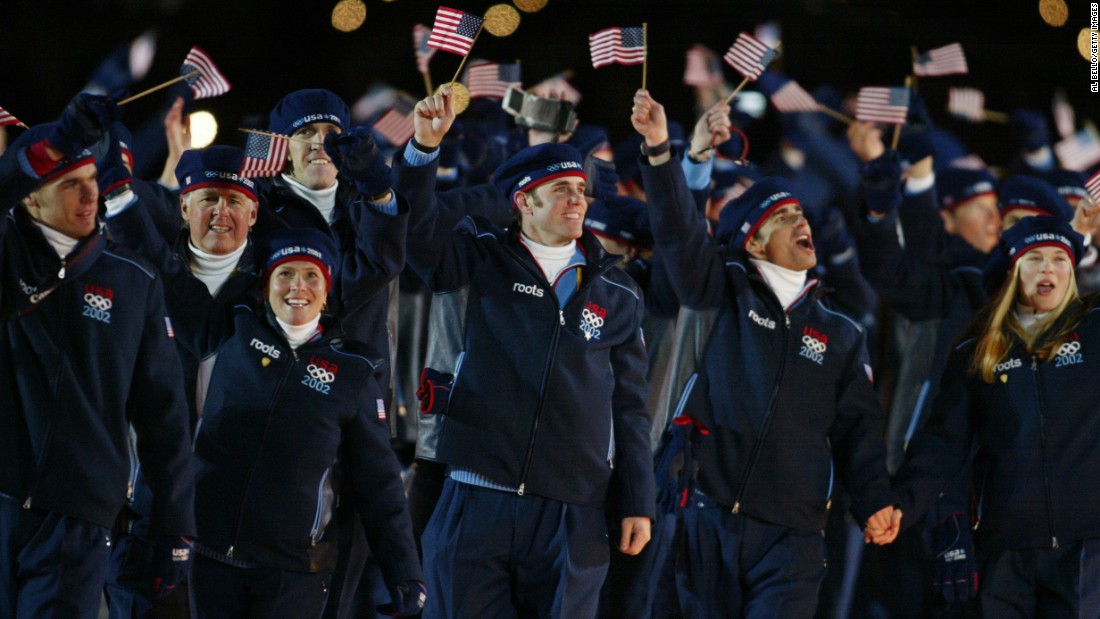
{"x": 268, "y": 49}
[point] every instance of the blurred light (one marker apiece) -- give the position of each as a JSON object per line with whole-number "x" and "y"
{"x": 348, "y": 15}
{"x": 1054, "y": 12}
{"x": 1084, "y": 43}
{"x": 204, "y": 128}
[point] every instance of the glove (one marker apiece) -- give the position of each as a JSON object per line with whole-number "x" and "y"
{"x": 1030, "y": 129}
{"x": 955, "y": 567}
{"x": 85, "y": 121}
{"x": 113, "y": 173}
{"x": 356, "y": 156}
{"x": 881, "y": 182}
{"x": 407, "y": 599}
{"x": 434, "y": 391}
{"x": 602, "y": 178}
{"x": 171, "y": 562}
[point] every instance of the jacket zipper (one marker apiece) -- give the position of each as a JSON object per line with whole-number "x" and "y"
{"x": 548, "y": 366}
{"x": 252, "y": 467}
{"x": 47, "y": 439}
{"x": 767, "y": 419}
{"x": 1043, "y": 450}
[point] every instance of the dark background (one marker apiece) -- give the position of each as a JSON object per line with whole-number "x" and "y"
{"x": 267, "y": 49}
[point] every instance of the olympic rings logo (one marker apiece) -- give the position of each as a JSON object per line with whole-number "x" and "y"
{"x": 1069, "y": 348}
{"x": 320, "y": 374}
{"x": 97, "y": 301}
{"x": 591, "y": 318}
{"x": 813, "y": 344}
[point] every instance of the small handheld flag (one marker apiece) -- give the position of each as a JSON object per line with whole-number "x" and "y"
{"x": 968, "y": 103}
{"x": 490, "y": 79}
{"x": 264, "y": 155}
{"x": 789, "y": 96}
{"x": 1079, "y": 151}
{"x": 424, "y": 52}
{"x": 208, "y": 81}
{"x": 1093, "y": 187}
{"x": 396, "y": 125}
{"x": 6, "y": 119}
{"x": 946, "y": 60}
{"x": 881, "y": 104}
{"x": 617, "y": 46}
{"x": 749, "y": 56}
{"x": 454, "y": 31}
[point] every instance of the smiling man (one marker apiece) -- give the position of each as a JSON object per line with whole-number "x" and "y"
{"x": 780, "y": 393}
{"x": 535, "y": 392}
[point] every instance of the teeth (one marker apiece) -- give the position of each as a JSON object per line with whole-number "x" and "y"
{"x": 320, "y": 162}
{"x": 297, "y": 303}
{"x": 572, "y": 216}
{"x": 219, "y": 229}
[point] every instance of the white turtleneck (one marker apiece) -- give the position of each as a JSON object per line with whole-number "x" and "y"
{"x": 1027, "y": 316}
{"x": 296, "y": 335}
{"x": 785, "y": 283}
{"x": 323, "y": 199}
{"x": 61, "y": 243}
{"x": 550, "y": 259}
{"x": 213, "y": 269}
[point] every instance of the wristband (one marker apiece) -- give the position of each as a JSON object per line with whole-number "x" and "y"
{"x": 656, "y": 151}
{"x": 427, "y": 150}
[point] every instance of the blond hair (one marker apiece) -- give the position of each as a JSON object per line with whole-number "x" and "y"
{"x": 998, "y": 323}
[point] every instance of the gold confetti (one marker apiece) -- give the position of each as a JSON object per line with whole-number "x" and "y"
{"x": 348, "y": 15}
{"x": 1054, "y": 12}
{"x": 530, "y": 6}
{"x": 501, "y": 20}
{"x": 460, "y": 96}
{"x": 1084, "y": 43}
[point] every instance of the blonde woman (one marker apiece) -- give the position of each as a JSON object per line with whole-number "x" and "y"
{"x": 1020, "y": 405}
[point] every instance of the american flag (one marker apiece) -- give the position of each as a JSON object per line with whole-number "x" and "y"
{"x": 424, "y": 53}
{"x": 968, "y": 103}
{"x": 791, "y": 97}
{"x": 396, "y": 125}
{"x": 209, "y": 81}
{"x": 7, "y": 119}
{"x": 490, "y": 79}
{"x": 1063, "y": 115}
{"x": 1079, "y": 151}
{"x": 454, "y": 31}
{"x": 617, "y": 46}
{"x": 946, "y": 60}
{"x": 557, "y": 87}
{"x": 264, "y": 155}
{"x": 749, "y": 56}
{"x": 1093, "y": 185}
{"x": 702, "y": 67}
{"x": 882, "y": 104}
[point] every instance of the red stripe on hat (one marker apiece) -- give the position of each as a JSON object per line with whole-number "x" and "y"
{"x": 1022, "y": 207}
{"x": 305, "y": 257}
{"x": 951, "y": 207}
{"x": 547, "y": 179}
{"x": 228, "y": 184}
{"x": 1027, "y": 248}
{"x": 765, "y": 216}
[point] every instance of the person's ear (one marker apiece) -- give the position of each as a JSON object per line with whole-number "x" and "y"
{"x": 755, "y": 248}
{"x": 948, "y": 222}
{"x": 522, "y": 204}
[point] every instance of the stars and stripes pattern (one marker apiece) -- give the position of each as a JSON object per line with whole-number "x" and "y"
{"x": 208, "y": 81}
{"x": 968, "y": 103}
{"x": 617, "y": 46}
{"x": 454, "y": 31}
{"x": 264, "y": 155}
{"x": 1093, "y": 187}
{"x": 749, "y": 56}
{"x": 791, "y": 97}
{"x": 702, "y": 67}
{"x": 946, "y": 60}
{"x": 1079, "y": 151}
{"x": 6, "y": 118}
{"x": 882, "y": 104}
{"x": 423, "y": 51}
{"x": 491, "y": 79}
{"x": 396, "y": 125}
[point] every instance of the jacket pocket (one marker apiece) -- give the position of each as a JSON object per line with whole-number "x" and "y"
{"x": 323, "y": 514}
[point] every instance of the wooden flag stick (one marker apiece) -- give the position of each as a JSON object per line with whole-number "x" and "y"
{"x": 997, "y": 117}
{"x": 275, "y": 135}
{"x": 158, "y": 87}
{"x": 913, "y": 54}
{"x": 428, "y": 83}
{"x": 736, "y": 90}
{"x": 645, "y": 51}
{"x": 830, "y": 112}
{"x": 897, "y": 128}
{"x": 463, "y": 63}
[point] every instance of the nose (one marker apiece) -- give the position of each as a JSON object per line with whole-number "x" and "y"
{"x": 90, "y": 192}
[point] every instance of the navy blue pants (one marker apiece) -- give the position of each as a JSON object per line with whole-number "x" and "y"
{"x": 51, "y": 566}
{"x": 130, "y": 588}
{"x": 731, "y": 566}
{"x": 219, "y": 590}
{"x": 1051, "y": 583}
{"x": 490, "y": 554}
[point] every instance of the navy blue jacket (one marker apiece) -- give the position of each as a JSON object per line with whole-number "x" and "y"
{"x": 786, "y": 395}
{"x": 547, "y": 401}
{"x": 1035, "y": 429}
{"x": 83, "y": 356}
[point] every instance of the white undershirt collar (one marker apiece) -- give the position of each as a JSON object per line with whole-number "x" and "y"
{"x": 323, "y": 199}
{"x": 785, "y": 283}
